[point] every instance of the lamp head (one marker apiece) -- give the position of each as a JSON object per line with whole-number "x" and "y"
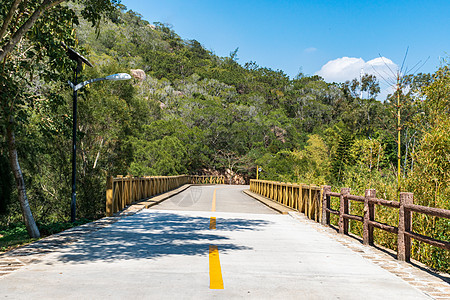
{"x": 118, "y": 76}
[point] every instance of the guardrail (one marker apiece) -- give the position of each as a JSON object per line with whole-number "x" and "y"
{"x": 315, "y": 202}
{"x": 201, "y": 179}
{"x": 404, "y": 230}
{"x": 302, "y": 197}
{"x": 125, "y": 190}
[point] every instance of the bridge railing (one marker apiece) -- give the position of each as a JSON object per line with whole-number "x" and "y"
{"x": 404, "y": 230}
{"x": 125, "y": 190}
{"x": 302, "y": 197}
{"x": 205, "y": 179}
{"x": 315, "y": 202}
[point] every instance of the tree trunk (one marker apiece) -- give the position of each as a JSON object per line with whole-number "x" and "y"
{"x": 32, "y": 229}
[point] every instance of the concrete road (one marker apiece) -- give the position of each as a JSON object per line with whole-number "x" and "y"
{"x": 172, "y": 251}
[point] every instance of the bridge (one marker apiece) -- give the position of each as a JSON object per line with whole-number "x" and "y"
{"x": 210, "y": 241}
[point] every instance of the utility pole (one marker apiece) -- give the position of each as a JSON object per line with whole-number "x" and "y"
{"x": 399, "y": 129}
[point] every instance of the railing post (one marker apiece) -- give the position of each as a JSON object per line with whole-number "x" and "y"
{"x": 263, "y": 188}
{"x": 301, "y": 198}
{"x": 130, "y": 191}
{"x": 288, "y": 194}
{"x": 295, "y": 196}
{"x": 121, "y": 193}
{"x": 343, "y": 209}
{"x": 319, "y": 204}
{"x": 151, "y": 182}
{"x": 146, "y": 185}
{"x": 292, "y": 195}
{"x": 325, "y": 205}
{"x": 308, "y": 202}
{"x": 404, "y": 225}
{"x": 109, "y": 196}
{"x": 314, "y": 197}
{"x": 369, "y": 215}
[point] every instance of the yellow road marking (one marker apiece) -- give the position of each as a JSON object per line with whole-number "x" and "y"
{"x": 215, "y": 273}
{"x": 212, "y": 223}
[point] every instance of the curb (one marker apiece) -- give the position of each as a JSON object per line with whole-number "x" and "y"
{"x": 270, "y": 203}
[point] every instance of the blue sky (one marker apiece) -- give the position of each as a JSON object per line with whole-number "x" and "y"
{"x": 334, "y": 39}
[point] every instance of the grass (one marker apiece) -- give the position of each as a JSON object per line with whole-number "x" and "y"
{"x": 16, "y": 235}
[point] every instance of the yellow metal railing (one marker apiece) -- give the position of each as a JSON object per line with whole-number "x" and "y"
{"x": 302, "y": 197}
{"x": 125, "y": 190}
{"x": 201, "y": 179}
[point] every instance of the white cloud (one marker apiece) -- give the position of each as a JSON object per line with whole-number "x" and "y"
{"x": 348, "y": 68}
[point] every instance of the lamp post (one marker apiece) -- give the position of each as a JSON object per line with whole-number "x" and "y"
{"x": 258, "y": 170}
{"x": 75, "y": 87}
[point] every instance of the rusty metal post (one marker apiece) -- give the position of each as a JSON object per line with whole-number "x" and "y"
{"x": 325, "y": 205}
{"x": 369, "y": 215}
{"x": 343, "y": 209}
{"x": 404, "y": 225}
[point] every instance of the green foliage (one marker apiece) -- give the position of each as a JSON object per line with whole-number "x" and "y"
{"x": 342, "y": 157}
{"x": 312, "y": 164}
{"x": 430, "y": 178}
{"x": 199, "y": 113}
{"x": 15, "y": 234}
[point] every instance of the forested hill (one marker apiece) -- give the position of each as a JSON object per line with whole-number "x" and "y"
{"x": 198, "y": 112}
{"x": 188, "y": 111}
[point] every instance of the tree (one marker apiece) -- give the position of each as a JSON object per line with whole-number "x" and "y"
{"x": 342, "y": 157}
{"x": 31, "y": 33}
{"x": 367, "y": 83}
{"x": 312, "y": 163}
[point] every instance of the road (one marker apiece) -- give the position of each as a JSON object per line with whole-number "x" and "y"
{"x": 206, "y": 242}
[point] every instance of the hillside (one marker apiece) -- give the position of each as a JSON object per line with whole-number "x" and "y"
{"x": 190, "y": 111}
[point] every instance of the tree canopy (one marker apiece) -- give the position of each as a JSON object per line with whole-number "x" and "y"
{"x": 191, "y": 111}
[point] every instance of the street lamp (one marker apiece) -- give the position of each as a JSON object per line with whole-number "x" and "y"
{"x": 76, "y": 86}
{"x": 258, "y": 170}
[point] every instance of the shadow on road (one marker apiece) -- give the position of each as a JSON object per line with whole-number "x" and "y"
{"x": 157, "y": 234}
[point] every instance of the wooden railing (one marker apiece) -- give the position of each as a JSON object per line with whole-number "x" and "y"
{"x": 125, "y": 190}
{"x": 404, "y": 230}
{"x": 302, "y": 197}
{"x": 315, "y": 202}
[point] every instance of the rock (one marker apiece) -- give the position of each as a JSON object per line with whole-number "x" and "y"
{"x": 138, "y": 74}
{"x": 280, "y": 133}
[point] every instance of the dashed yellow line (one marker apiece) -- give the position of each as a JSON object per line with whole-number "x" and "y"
{"x": 212, "y": 223}
{"x": 215, "y": 272}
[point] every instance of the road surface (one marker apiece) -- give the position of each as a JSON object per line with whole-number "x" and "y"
{"x": 206, "y": 242}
